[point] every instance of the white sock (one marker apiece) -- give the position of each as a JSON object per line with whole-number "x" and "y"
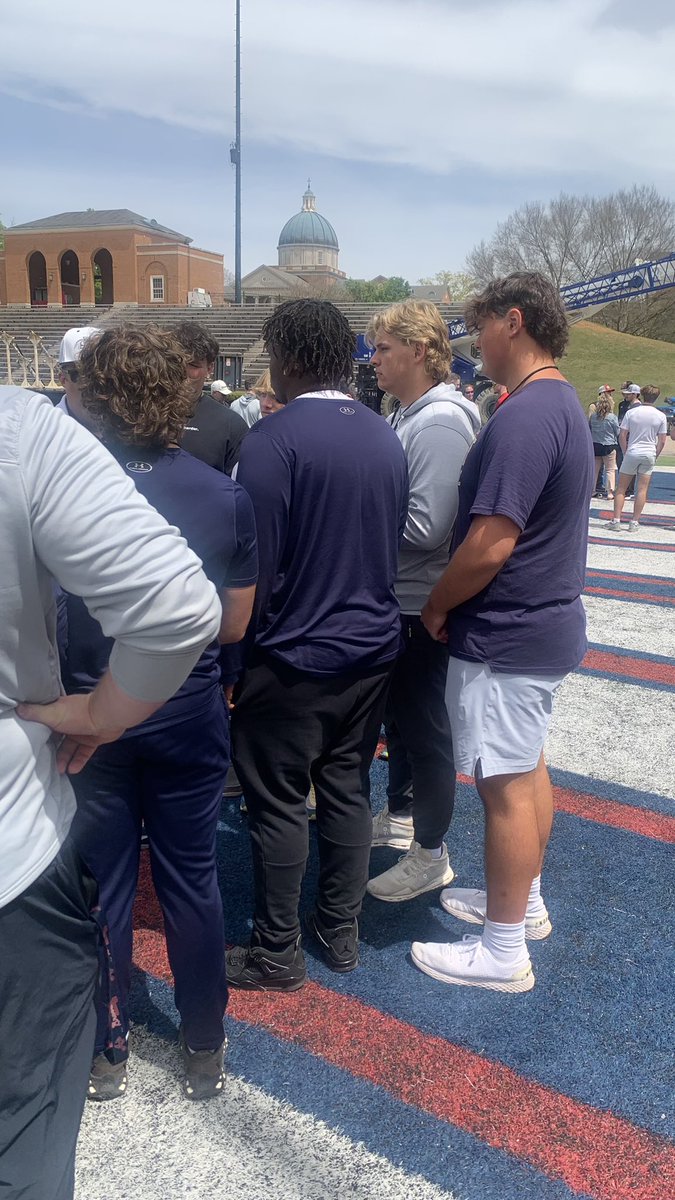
{"x": 437, "y": 851}
{"x": 535, "y": 903}
{"x": 506, "y": 943}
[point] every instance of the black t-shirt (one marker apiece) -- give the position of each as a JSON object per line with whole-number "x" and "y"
{"x": 214, "y": 434}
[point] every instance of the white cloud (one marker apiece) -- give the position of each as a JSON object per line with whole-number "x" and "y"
{"x": 540, "y": 87}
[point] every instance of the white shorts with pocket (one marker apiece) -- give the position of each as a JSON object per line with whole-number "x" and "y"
{"x": 637, "y": 462}
{"x": 499, "y": 721}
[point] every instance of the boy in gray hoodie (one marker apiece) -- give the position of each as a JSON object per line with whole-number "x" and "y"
{"x": 437, "y": 426}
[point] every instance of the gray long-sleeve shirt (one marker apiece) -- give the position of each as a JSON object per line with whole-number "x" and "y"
{"x": 436, "y": 432}
{"x": 68, "y": 511}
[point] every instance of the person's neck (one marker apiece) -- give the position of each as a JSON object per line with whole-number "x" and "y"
{"x": 408, "y": 393}
{"x": 527, "y": 364}
{"x": 306, "y": 385}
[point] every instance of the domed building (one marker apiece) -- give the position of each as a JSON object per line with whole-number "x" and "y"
{"x": 308, "y": 251}
{"x": 308, "y": 243}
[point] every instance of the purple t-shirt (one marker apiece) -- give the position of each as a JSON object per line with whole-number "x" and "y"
{"x": 533, "y": 462}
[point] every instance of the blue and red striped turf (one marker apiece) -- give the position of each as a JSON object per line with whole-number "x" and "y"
{"x": 564, "y": 1092}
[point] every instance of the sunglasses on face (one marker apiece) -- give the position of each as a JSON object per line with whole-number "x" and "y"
{"x": 72, "y": 373}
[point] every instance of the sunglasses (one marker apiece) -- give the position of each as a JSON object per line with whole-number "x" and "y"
{"x": 72, "y": 373}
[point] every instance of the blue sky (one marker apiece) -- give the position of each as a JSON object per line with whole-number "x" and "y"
{"x": 421, "y": 122}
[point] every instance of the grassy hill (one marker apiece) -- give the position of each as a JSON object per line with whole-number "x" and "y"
{"x": 598, "y": 355}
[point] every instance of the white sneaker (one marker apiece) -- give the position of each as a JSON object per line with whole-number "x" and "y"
{"x": 633, "y": 526}
{"x": 615, "y": 525}
{"x": 469, "y": 963}
{"x": 390, "y": 830}
{"x": 470, "y": 904}
{"x": 414, "y": 873}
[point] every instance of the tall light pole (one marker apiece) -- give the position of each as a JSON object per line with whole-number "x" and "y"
{"x": 235, "y": 157}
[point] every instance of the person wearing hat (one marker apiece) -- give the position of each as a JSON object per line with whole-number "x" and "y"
{"x": 219, "y": 390}
{"x": 69, "y": 354}
{"x": 642, "y": 438}
{"x": 631, "y": 396}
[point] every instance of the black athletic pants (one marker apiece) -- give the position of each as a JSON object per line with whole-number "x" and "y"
{"x": 48, "y": 974}
{"x": 419, "y": 741}
{"x": 290, "y": 729}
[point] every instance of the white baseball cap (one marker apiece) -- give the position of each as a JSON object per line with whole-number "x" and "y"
{"x": 219, "y": 385}
{"x": 633, "y": 389}
{"x": 73, "y": 341}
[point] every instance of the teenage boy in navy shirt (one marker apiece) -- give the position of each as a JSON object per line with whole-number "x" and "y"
{"x": 509, "y": 607}
{"x": 328, "y": 482}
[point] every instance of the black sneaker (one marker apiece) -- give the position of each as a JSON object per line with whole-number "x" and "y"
{"x": 107, "y": 1080}
{"x": 256, "y": 969}
{"x": 339, "y": 946}
{"x": 204, "y": 1070}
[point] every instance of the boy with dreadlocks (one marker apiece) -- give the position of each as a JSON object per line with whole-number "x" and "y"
{"x": 328, "y": 481}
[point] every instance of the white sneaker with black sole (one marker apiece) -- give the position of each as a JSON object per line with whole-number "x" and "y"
{"x": 390, "y": 830}
{"x": 470, "y": 904}
{"x": 414, "y": 873}
{"x": 468, "y": 963}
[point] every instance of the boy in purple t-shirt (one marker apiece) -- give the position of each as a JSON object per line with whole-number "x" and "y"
{"x": 509, "y": 607}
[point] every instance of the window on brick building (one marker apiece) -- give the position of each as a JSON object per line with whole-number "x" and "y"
{"x": 156, "y": 287}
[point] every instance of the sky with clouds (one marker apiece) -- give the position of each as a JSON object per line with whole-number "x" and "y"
{"x": 422, "y": 123}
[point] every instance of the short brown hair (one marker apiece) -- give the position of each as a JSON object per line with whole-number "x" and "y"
{"x": 651, "y": 393}
{"x": 197, "y": 343}
{"x": 538, "y": 300}
{"x": 135, "y": 386}
{"x": 417, "y": 321}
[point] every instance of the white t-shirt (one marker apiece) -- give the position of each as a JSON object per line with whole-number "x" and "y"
{"x": 645, "y": 424}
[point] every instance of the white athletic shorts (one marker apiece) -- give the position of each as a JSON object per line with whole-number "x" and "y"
{"x": 637, "y": 462}
{"x": 499, "y": 721}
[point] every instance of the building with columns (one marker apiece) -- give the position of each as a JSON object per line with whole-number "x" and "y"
{"x": 109, "y": 256}
{"x": 308, "y": 253}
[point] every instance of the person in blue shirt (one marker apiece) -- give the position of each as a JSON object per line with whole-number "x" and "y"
{"x": 509, "y": 608}
{"x": 328, "y": 481}
{"x": 168, "y": 772}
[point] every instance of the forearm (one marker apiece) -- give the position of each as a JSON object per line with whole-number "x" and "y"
{"x": 467, "y": 573}
{"x": 660, "y": 445}
{"x": 623, "y": 440}
{"x": 113, "y": 710}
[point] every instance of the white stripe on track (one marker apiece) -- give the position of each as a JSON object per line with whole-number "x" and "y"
{"x": 153, "y": 1144}
{"x": 618, "y": 732}
{"x": 642, "y": 628}
{"x": 628, "y": 560}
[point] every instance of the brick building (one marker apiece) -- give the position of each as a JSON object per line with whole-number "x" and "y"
{"x": 109, "y": 256}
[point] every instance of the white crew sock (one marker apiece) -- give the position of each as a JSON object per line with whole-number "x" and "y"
{"x": 437, "y": 851}
{"x": 506, "y": 943}
{"x": 535, "y": 903}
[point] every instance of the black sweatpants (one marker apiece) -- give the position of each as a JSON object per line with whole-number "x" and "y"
{"x": 48, "y": 973}
{"x": 419, "y": 741}
{"x": 290, "y": 729}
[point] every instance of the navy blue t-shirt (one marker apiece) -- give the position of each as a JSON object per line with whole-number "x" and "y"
{"x": 328, "y": 481}
{"x": 216, "y": 519}
{"x": 533, "y": 462}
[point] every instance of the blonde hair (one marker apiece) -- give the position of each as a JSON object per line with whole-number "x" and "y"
{"x": 263, "y": 385}
{"x": 604, "y": 405}
{"x": 417, "y": 321}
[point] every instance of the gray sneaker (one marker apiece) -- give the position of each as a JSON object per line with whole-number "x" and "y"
{"x": 470, "y": 904}
{"x": 633, "y": 526}
{"x": 391, "y": 830}
{"x": 615, "y": 525}
{"x": 414, "y": 873}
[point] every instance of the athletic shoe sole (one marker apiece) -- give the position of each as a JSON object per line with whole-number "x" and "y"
{"x": 428, "y": 887}
{"x": 523, "y": 982}
{"x": 394, "y": 843}
{"x": 533, "y": 933}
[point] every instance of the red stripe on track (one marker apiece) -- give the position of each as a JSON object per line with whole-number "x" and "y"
{"x": 642, "y": 821}
{"x": 650, "y": 580}
{"x": 636, "y": 668}
{"x": 593, "y": 1152}
{"x": 617, "y": 594}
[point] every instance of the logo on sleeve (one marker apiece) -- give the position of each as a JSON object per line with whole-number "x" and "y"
{"x": 139, "y": 468}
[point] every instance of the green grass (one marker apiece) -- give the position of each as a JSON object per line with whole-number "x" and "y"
{"x": 598, "y": 355}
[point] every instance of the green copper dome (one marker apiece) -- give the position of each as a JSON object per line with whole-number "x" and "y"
{"x": 308, "y": 227}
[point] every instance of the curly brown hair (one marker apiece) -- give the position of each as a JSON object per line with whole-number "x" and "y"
{"x": 539, "y": 302}
{"x": 135, "y": 386}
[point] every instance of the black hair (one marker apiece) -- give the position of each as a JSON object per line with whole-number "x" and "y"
{"x": 196, "y": 341}
{"x": 538, "y": 300}
{"x": 311, "y": 338}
